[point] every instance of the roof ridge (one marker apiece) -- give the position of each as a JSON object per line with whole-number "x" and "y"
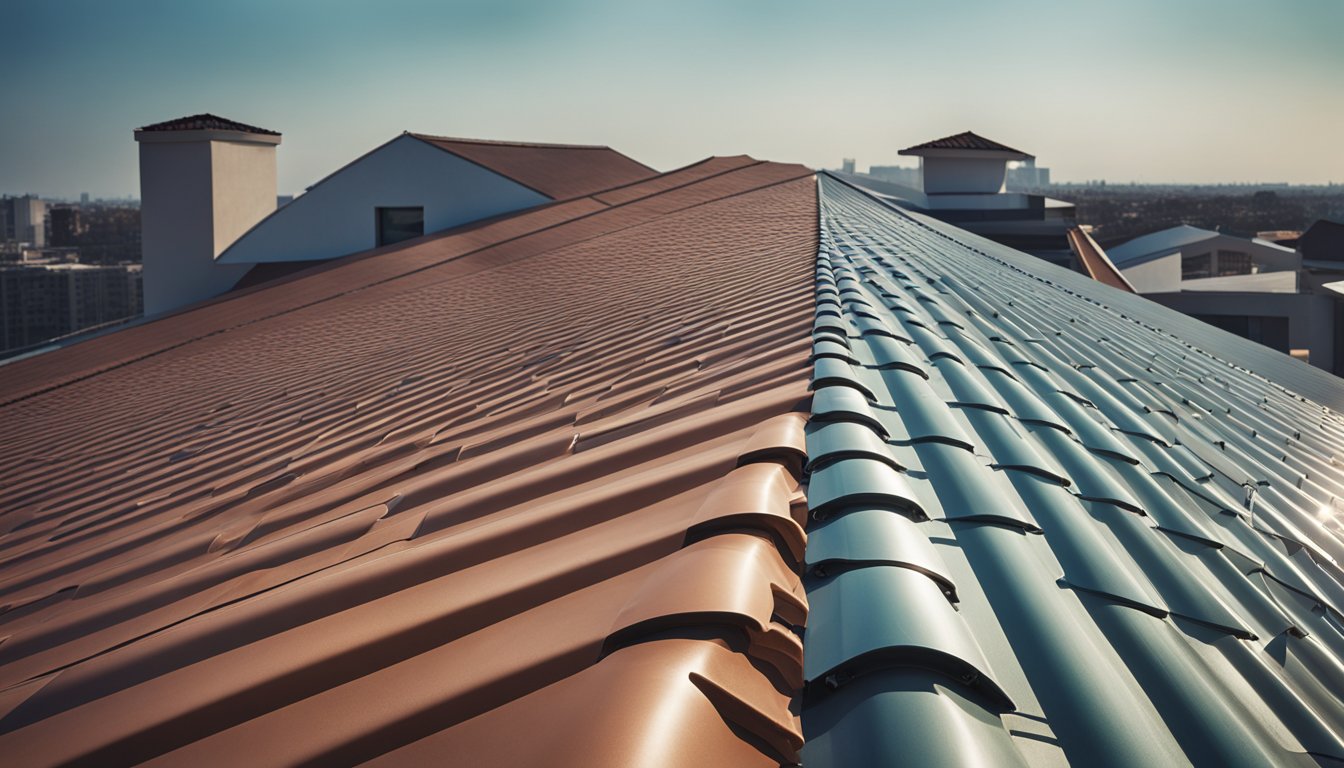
{"x": 503, "y": 143}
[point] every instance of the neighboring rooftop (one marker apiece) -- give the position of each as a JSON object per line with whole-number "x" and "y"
{"x": 558, "y": 171}
{"x": 1158, "y": 243}
{"x": 1323, "y": 241}
{"x": 964, "y": 141}
{"x": 206, "y": 122}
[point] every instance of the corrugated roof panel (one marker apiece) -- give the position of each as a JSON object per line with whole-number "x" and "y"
{"x": 413, "y": 503}
{"x": 1123, "y": 520}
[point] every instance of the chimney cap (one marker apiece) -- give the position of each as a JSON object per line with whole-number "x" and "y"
{"x": 205, "y": 128}
{"x": 206, "y": 122}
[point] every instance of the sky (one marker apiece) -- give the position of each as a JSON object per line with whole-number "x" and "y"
{"x": 1191, "y": 91}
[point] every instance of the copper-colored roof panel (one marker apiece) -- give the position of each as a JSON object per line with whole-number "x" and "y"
{"x": 1098, "y": 265}
{"x": 402, "y": 499}
{"x": 558, "y": 171}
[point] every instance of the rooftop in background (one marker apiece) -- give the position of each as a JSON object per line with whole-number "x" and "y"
{"x": 1156, "y": 244}
{"x": 206, "y": 122}
{"x": 967, "y": 141}
{"x": 1323, "y": 241}
{"x": 558, "y": 171}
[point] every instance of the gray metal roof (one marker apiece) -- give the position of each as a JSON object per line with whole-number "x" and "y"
{"x": 1104, "y": 532}
{"x": 1160, "y": 243}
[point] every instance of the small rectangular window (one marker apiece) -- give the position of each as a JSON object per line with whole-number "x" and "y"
{"x": 1234, "y": 263}
{"x": 397, "y": 224}
{"x": 1197, "y": 266}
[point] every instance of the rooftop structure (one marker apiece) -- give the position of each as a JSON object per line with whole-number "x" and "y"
{"x": 206, "y": 122}
{"x": 961, "y": 180}
{"x": 204, "y": 181}
{"x": 1252, "y": 287}
{"x": 736, "y": 465}
{"x": 210, "y": 212}
{"x": 1322, "y": 243}
{"x": 963, "y": 143}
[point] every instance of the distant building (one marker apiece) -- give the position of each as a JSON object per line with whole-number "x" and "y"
{"x": 847, "y": 165}
{"x": 897, "y": 174}
{"x": 23, "y": 220}
{"x": 1285, "y": 237}
{"x": 961, "y": 180}
{"x": 1251, "y": 287}
{"x": 1026, "y": 175}
{"x": 209, "y": 203}
{"x": 1322, "y": 244}
{"x": 67, "y": 227}
{"x": 39, "y": 302}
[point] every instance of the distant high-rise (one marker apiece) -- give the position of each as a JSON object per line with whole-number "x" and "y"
{"x": 39, "y": 302}
{"x": 83, "y": 198}
{"x": 66, "y": 226}
{"x": 1027, "y": 175}
{"x": 847, "y": 165}
{"x": 23, "y": 220}
{"x": 898, "y": 174}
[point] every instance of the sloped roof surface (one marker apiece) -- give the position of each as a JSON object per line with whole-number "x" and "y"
{"x": 1158, "y": 243}
{"x": 1056, "y": 523}
{"x": 966, "y": 140}
{"x": 558, "y": 171}
{"x": 524, "y": 493}
{"x": 206, "y": 122}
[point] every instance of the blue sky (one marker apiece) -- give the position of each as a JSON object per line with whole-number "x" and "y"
{"x": 1149, "y": 90}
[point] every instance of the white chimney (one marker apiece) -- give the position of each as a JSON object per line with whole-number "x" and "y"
{"x": 204, "y": 181}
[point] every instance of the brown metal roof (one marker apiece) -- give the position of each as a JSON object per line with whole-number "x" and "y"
{"x": 1098, "y": 265}
{"x": 206, "y": 122}
{"x": 558, "y": 171}
{"x": 522, "y": 493}
{"x": 965, "y": 140}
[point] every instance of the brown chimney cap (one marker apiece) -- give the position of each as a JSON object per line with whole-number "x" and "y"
{"x": 206, "y": 122}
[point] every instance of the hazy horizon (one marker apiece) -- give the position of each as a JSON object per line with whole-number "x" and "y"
{"x": 1203, "y": 93}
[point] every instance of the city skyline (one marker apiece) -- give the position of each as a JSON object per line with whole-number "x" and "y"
{"x": 1205, "y": 93}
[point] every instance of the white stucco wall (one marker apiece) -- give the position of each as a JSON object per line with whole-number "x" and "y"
{"x": 337, "y": 216}
{"x": 178, "y": 182}
{"x": 1157, "y": 276}
{"x": 944, "y": 175}
{"x": 243, "y": 178}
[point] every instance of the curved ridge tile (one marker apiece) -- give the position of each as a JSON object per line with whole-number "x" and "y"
{"x": 731, "y": 579}
{"x": 829, "y": 442}
{"x": 755, "y": 496}
{"x": 860, "y": 481}
{"x": 869, "y": 618}
{"x": 831, "y": 372}
{"x": 780, "y": 440}
{"x": 843, "y": 403}
{"x": 866, "y": 537}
